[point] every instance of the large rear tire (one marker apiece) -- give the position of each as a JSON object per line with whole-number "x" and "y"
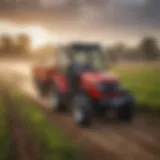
{"x": 82, "y": 110}
{"x": 56, "y": 100}
{"x": 38, "y": 87}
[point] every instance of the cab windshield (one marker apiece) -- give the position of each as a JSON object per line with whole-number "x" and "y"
{"x": 93, "y": 58}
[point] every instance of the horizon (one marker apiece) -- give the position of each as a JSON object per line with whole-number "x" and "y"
{"x": 106, "y": 22}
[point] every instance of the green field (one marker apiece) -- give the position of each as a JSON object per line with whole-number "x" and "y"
{"x": 5, "y": 140}
{"x": 144, "y": 82}
{"x": 54, "y": 144}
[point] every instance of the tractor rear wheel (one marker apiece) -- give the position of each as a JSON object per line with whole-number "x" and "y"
{"x": 82, "y": 110}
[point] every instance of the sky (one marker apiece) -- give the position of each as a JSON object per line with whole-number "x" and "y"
{"x": 106, "y": 21}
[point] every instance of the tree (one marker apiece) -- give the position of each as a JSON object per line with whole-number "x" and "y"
{"x": 6, "y": 44}
{"x": 116, "y": 52}
{"x": 23, "y": 44}
{"x": 111, "y": 54}
{"x": 149, "y": 48}
{"x": 120, "y": 49}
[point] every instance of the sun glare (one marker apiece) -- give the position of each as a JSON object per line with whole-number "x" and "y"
{"x": 39, "y": 35}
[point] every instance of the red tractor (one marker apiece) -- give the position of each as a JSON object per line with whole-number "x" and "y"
{"x": 79, "y": 82}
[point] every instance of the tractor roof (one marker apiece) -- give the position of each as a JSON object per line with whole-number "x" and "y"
{"x": 84, "y": 46}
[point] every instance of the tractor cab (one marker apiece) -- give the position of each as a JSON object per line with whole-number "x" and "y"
{"x": 83, "y": 57}
{"x": 87, "y": 57}
{"x": 77, "y": 59}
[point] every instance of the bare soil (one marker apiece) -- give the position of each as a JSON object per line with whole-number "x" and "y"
{"x": 107, "y": 139}
{"x": 104, "y": 140}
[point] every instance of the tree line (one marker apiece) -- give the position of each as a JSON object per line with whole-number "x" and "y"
{"x": 147, "y": 49}
{"x": 19, "y": 45}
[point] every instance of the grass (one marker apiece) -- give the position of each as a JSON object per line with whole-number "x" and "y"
{"x": 54, "y": 144}
{"x": 5, "y": 140}
{"x": 144, "y": 82}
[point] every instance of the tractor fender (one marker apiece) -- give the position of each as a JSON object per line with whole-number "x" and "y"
{"x": 61, "y": 83}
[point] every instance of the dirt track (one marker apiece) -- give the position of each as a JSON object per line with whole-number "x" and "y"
{"x": 24, "y": 142}
{"x": 111, "y": 140}
{"x": 105, "y": 140}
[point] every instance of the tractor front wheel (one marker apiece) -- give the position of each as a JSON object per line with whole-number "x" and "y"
{"x": 82, "y": 110}
{"x": 127, "y": 112}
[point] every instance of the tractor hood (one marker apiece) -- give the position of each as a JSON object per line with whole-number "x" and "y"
{"x": 94, "y": 77}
